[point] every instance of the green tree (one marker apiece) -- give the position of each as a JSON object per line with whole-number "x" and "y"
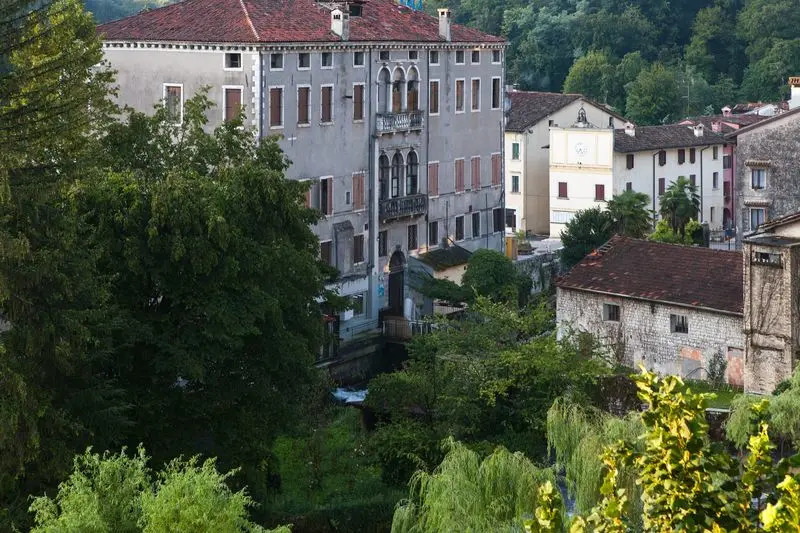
{"x": 680, "y": 203}
{"x": 665, "y": 233}
{"x": 715, "y": 50}
{"x": 590, "y": 76}
{"x": 626, "y": 71}
{"x": 765, "y": 79}
{"x": 588, "y": 230}
{"x": 630, "y": 214}
{"x": 653, "y": 97}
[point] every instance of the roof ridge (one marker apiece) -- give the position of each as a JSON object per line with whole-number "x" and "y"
{"x": 249, "y": 21}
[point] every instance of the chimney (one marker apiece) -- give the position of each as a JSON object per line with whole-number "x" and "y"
{"x": 716, "y": 126}
{"x": 698, "y": 130}
{"x": 340, "y": 23}
{"x": 794, "y": 99}
{"x": 726, "y": 111}
{"x": 444, "y": 24}
{"x": 630, "y": 129}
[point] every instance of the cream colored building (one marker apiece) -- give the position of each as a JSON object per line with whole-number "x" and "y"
{"x": 527, "y": 140}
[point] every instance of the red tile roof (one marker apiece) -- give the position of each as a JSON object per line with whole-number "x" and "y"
{"x": 668, "y": 273}
{"x": 663, "y": 138}
{"x": 281, "y": 21}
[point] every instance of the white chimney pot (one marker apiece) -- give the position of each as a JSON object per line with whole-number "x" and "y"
{"x": 444, "y": 24}
{"x": 340, "y": 23}
{"x": 630, "y": 129}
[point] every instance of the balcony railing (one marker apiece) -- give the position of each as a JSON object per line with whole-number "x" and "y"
{"x": 391, "y": 122}
{"x": 404, "y": 206}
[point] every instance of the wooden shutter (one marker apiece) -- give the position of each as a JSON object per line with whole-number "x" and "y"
{"x": 358, "y": 191}
{"x": 302, "y": 105}
{"x": 681, "y": 156}
{"x": 327, "y": 103}
{"x": 433, "y": 179}
{"x": 692, "y": 154}
{"x": 308, "y": 197}
{"x": 358, "y": 102}
{"x": 275, "y": 106}
{"x": 496, "y": 169}
{"x": 233, "y": 103}
{"x": 433, "y": 105}
{"x": 396, "y": 103}
{"x": 476, "y": 95}
{"x": 599, "y": 193}
{"x": 459, "y": 95}
{"x": 476, "y": 172}
{"x": 693, "y": 179}
{"x": 662, "y": 185}
{"x": 459, "y": 168}
{"x": 412, "y": 96}
{"x": 662, "y": 158}
{"x": 629, "y": 161}
{"x": 562, "y": 189}
{"x": 330, "y": 196}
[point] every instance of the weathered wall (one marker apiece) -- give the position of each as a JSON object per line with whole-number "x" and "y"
{"x": 643, "y": 334}
{"x": 542, "y": 269}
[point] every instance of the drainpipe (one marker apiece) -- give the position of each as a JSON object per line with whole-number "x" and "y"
{"x": 701, "y": 217}
{"x": 427, "y": 147}
{"x": 654, "y": 189}
{"x": 502, "y": 158}
{"x": 374, "y": 227}
{"x": 260, "y": 100}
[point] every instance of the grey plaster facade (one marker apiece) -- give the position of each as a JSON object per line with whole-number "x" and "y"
{"x": 348, "y": 145}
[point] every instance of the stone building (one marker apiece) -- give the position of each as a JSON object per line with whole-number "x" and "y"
{"x": 670, "y": 308}
{"x": 396, "y": 118}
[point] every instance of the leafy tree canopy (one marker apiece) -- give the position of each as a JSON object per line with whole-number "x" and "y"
{"x": 588, "y": 230}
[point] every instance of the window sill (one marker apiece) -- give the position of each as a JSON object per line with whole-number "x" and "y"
{"x": 326, "y": 123}
{"x": 358, "y": 121}
{"x": 476, "y": 110}
{"x": 460, "y": 112}
{"x": 276, "y": 127}
{"x": 303, "y": 124}
{"x": 433, "y": 114}
{"x": 226, "y": 69}
{"x": 562, "y": 198}
{"x": 276, "y": 69}
{"x": 304, "y": 68}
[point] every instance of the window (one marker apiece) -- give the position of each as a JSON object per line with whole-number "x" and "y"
{"x": 511, "y": 219}
{"x": 715, "y": 180}
{"x": 495, "y": 56}
{"x": 562, "y": 189}
{"x": 497, "y": 220}
{"x": 173, "y": 102}
{"x": 303, "y": 61}
{"x": 326, "y": 60}
{"x": 629, "y": 186}
{"x": 412, "y": 237}
{"x": 475, "y": 171}
{"x": 693, "y": 180}
{"x": 347, "y": 197}
{"x": 413, "y": 55}
{"x": 433, "y": 179}
{"x": 357, "y": 304}
{"x": 611, "y": 313}
{"x": 561, "y": 217}
{"x": 476, "y": 57}
{"x": 662, "y": 186}
{"x": 459, "y": 57}
{"x": 515, "y": 151}
{"x": 476, "y": 225}
{"x": 459, "y": 175}
{"x": 383, "y": 244}
{"x": 358, "y": 191}
{"x": 495, "y": 93}
{"x": 758, "y": 178}
{"x": 358, "y": 59}
{"x": 681, "y": 156}
{"x": 757, "y": 216}
{"x": 662, "y": 158}
{"x": 497, "y": 163}
{"x": 233, "y": 61}
{"x": 433, "y": 234}
{"x": 397, "y": 171}
{"x": 358, "y": 101}
{"x": 433, "y": 57}
{"x": 275, "y": 107}
{"x": 599, "y": 193}
{"x": 629, "y": 161}
{"x": 303, "y": 105}
{"x": 326, "y": 115}
{"x": 326, "y": 196}
{"x": 276, "y": 61}
{"x": 383, "y": 176}
{"x": 433, "y": 97}
{"x": 715, "y": 153}
{"x": 459, "y": 96}
{"x": 727, "y": 161}
{"x": 325, "y": 253}
{"x": 358, "y": 249}
{"x": 766, "y": 258}
{"x": 515, "y": 184}
{"x": 383, "y": 55}
{"x": 412, "y": 173}
{"x": 711, "y": 215}
{"x": 678, "y": 324}
{"x": 233, "y": 103}
{"x": 476, "y": 94}
{"x": 692, "y": 155}
{"x": 460, "y": 228}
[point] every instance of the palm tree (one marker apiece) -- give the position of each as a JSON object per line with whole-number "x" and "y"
{"x": 680, "y": 203}
{"x": 630, "y": 214}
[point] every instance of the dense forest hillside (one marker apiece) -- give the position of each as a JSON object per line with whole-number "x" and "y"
{"x": 654, "y": 60}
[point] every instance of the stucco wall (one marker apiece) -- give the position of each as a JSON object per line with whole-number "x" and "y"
{"x": 643, "y": 334}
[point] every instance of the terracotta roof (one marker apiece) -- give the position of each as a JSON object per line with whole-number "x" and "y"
{"x": 767, "y": 120}
{"x": 529, "y": 107}
{"x": 281, "y": 21}
{"x": 663, "y": 137}
{"x": 669, "y": 273}
{"x": 729, "y": 123}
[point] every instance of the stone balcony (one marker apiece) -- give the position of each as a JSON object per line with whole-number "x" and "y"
{"x": 398, "y": 122}
{"x": 403, "y": 206}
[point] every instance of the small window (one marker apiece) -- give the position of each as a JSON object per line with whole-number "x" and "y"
{"x": 692, "y": 155}
{"x": 459, "y": 57}
{"x": 326, "y": 196}
{"x": 358, "y": 249}
{"x": 358, "y": 102}
{"x": 715, "y": 180}
{"x": 412, "y": 237}
{"x": 611, "y": 312}
{"x": 383, "y": 55}
{"x": 460, "y": 228}
{"x": 629, "y": 161}
{"x": 681, "y": 156}
{"x": 433, "y": 57}
{"x": 476, "y": 94}
{"x": 515, "y": 151}
{"x": 303, "y": 61}
{"x": 233, "y": 61}
{"x": 233, "y": 103}
{"x": 495, "y": 93}
{"x": 347, "y": 198}
{"x": 459, "y": 96}
{"x": 413, "y": 55}
{"x": 495, "y": 56}
{"x": 757, "y": 216}
{"x": 326, "y": 59}
{"x": 358, "y": 59}
{"x": 498, "y": 220}
{"x": 433, "y": 234}
{"x": 599, "y": 193}
{"x": 276, "y": 62}
{"x": 562, "y": 189}
{"x": 711, "y": 215}
{"x": 303, "y": 105}
{"x": 173, "y": 102}
{"x": 476, "y": 57}
{"x": 629, "y": 186}
{"x": 727, "y": 161}
{"x": 276, "y": 107}
{"x": 511, "y": 219}
{"x": 476, "y": 225}
{"x": 325, "y": 253}
{"x": 758, "y": 178}
{"x": 715, "y": 153}
{"x": 383, "y": 244}
{"x": 693, "y": 180}
{"x": 326, "y": 115}
{"x": 766, "y": 258}
{"x": 662, "y": 158}
{"x": 662, "y": 186}
{"x": 515, "y": 184}
{"x": 357, "y": 304}
{"x": 679, "y": 323}
{"x": 433, "y": 97}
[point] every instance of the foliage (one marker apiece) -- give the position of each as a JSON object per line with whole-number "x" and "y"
{"x": 630, "y": 214}
{"x": 716, "y": 368}
{"x": 107, "y": 10}
{"x": 588, "y": 230}
{"x": 590, "y": 76}
{"x": 117, "y": 493}
{"x": 653, "y": 97}
{"x": 665, "y": 233}
{"x": 680, "y": 203}
{"x": 466, "y": 493}
{"x": 782, "y": 413}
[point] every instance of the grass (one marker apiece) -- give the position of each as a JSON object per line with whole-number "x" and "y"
{"x": 724, "y": 393}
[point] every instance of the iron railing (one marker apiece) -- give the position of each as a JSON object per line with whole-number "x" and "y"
{"x": 404, "y": 206}
{"x": 392, "y": 122}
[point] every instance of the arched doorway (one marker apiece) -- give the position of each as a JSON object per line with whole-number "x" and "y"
{"x": 397, "y": 283}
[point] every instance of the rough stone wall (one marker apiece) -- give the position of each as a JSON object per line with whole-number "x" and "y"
{"x": 542, "y": 269}
{"x": 643, "y": 334}
{"x": 779, "y": 144}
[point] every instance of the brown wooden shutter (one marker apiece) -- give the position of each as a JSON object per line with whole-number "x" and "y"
{"x": 358, "y": 102}
{"x": 496, "y": 169}
{"x": 330, "y": 196}
{"x": 233, "y": 103}
{"x": 358, "y": 191}
{"x": 599, "y": 193}
{"x": 681, "y": 156}
{"x": 396, "y": 103}
{"x": 275, "y": 107}
{"x": 459, "y": 95}
{"x": 692, "y": 155}
{"x": 433, "y": 179}
{"x": 459, "y": 168}
{"x": 662, "y": 185}
{"x": 693, "y": 179}
{"x": 476, "y": 94}
{"x": 476, "y": 172}
{"x": 327, "y": 103}
{"x": 302, "y": 105}
{"x": 433, "y": 105}
{"x": 629, "y": 161}
{"x": 562, "y": 189}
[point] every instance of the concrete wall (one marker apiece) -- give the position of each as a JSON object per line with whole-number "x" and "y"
{"x": 643, "y": 335}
